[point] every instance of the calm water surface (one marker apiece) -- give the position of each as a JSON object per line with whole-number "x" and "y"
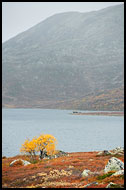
{"x": 75, "y": 133}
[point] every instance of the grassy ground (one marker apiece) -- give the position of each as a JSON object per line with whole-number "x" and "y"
{"x": 62, "y": 172}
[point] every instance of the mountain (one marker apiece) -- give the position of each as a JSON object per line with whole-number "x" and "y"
{"x": 65, "y": 58}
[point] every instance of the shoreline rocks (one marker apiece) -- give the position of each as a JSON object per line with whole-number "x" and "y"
{"x": 104, "y": 153}
{"x": 118, "y": 150}
{"x": 59, "y": 153}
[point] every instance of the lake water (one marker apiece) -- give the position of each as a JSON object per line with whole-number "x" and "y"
{"x": 75, "y": 133}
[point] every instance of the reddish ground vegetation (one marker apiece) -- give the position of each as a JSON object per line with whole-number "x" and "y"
{"x": 62, "y": 172}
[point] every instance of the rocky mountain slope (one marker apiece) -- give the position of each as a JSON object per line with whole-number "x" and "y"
{"x": 66, "y": 57}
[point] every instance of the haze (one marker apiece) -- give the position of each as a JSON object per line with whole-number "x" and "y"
{"x": 20, "y": 16}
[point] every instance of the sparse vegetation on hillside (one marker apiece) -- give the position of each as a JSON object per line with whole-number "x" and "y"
{"x": 69, "y": 56}
{"x": 61, "y": 172}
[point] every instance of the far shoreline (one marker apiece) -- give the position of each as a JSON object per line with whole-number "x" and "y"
{"x": 100, "y": 113}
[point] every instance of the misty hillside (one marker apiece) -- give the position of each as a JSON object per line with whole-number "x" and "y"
{"x": 66, "y": 57}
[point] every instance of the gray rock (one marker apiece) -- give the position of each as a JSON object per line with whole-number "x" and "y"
{"x": 114, "y": 164}
{"x": 58, "y": 154}
{"x": 93, "y": 183}
{"x": 86, "y": 173}
{"x": 118, "y": 150}
{"x": 104, "y": 152}
{"x": 24, "y": 162}
{"x": 110, "y": 185}
{"x": 61, "y": 153}
{"x": 114, "y": 185}
{"x": 100, "y": 153}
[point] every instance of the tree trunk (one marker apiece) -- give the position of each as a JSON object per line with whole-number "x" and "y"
{"x": 41, "y": 154}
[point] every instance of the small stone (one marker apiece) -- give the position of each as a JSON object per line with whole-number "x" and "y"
{"x": 91, "y": 160}
{"x": 110, "y": 185}
{"x": 71, "y": 166}
{"x": 86, "y": 173}
{"x": 113, "y": 185}
{"x": 89, "y": 184}
{"x": 33, "y": 177}
{"x": 104, "y": 152}
{"x": 100, "y": 153}
{"x": 25, "y": 162}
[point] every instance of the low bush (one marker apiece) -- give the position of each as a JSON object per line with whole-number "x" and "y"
{"x": 105, "y": 175}
{"x": 34, "y": 161}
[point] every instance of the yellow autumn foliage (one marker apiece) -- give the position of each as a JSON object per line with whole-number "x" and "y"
{"x": 29, "y": 146}
{"x": 44, "y": 142}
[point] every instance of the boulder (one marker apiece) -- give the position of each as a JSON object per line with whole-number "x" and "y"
{"x": 24, "y": 162}
{"x": 114, "y": 164}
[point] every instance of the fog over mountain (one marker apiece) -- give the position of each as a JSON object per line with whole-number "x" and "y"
{"x": 67, "y": 61}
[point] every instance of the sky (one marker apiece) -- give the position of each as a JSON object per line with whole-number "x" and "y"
{"x": 20, "y": 16}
